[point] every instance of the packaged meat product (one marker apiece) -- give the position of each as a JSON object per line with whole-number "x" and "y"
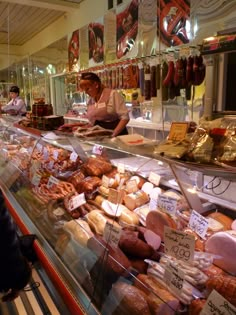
{"x": 97, "y": 221}
{"x": 96, "y": 166}
{"x": 128, "y": 217}
{"x": 88, "y": 185}
{"x": 223, "y": 219}
{"x": 223, "y": 244}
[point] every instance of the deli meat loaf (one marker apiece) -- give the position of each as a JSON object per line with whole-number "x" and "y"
{"x": 223, "y": 244}
{"x": 129, "y": 300}
{"x": 96, "y": 166}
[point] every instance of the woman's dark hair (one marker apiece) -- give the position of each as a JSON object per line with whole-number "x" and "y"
{"x": 90, "y": 76}
{"x": 15, "y": 89}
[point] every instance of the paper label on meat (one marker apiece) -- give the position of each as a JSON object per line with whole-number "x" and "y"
{"x": 73, "y": 156}
{"x": 179, "y": 244}
{"x": 217, "y": 304}
{"x": 112, "y": 234}
{"x": 97, "y": 149}
{"x": 36, "y": 179}
{"x": 52, "y": 181}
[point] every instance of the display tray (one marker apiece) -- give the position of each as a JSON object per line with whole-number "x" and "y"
{"x": 134, "y": 140}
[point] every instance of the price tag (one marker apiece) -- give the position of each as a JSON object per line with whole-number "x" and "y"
{"x": 154, "y": 178}
{"x": 178, "y": 131}
{"x": 167, "y": 204}
{"x": 97, "y": 149}
{"x": 12, "y": 138}
{"x": 36, "y": 179}
{"x": 52, "y": 181}
{"x": 153, "y": 204}
{"x": 50, "y": 164}
{"x": 112, "y": 234}
{"x": 45, "y": 153}
{"x": 174, "y": 278}
{"x": 198, "y": 224}
{"x": 73, "y": 156}
{"x": 115, "y": 196}
{"x": 105, "y": 181}
{"x": 179, "y": 244}
{"x": 55, "y": 154}
{"x": 217, "y": 304}
{"x": 131, "y": 186}
{"x": 39, "y": 147}
{"x": 76, "y": 201}
{"x": 121, "y": 168}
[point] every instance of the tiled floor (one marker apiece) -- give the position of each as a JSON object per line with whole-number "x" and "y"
{"x": 39, "y": 298}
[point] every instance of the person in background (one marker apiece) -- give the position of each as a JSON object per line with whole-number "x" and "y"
{"x": 16, "y": 106}
{"x": 105, "y": 107}
{"x": 15, "y": 270}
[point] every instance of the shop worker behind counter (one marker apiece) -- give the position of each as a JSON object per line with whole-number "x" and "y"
{"x": 16, "y": 106}
{"x": 15, "y": 271}
{"x": 105, "y": 107}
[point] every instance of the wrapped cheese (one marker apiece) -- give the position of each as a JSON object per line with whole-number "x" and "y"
{"x": 136, "y": 199}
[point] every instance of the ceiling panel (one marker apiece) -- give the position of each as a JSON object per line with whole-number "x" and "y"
{"x": 21, "y": 22}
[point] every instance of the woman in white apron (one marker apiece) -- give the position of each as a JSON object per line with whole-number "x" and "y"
{"x": 106, "y": 107}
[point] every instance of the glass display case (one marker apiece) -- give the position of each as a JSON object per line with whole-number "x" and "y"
{"x": 57, "y": 188}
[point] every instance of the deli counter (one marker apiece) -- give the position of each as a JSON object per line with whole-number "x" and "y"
{"x": 99, "y": 245}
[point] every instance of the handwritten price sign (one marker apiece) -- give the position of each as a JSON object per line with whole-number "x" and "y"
{"x": 167, "y": 204}
{"x": 112, "y": 234}
{"x": 179, "y": 244}
{"x": 198, "y": 224}
{"x": 174, "y": 278}
{"x": 217, "y": 304}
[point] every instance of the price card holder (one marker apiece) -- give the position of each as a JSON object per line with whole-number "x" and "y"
{"x": 76, "y": 201}
{"x": 112, "y": 234}
{"x": 97, "y": 149}
{"x": 198, "y": 224}
{"x": 217, "y": 304}
{"x": 78, "y": 149}
{"x": 179, "y": 244}
{"x": 73, "y": 156}
{"x": 178, "y": 131}
{"x": 167, "y": 204}
{"x": 186, "y": 187}
{"x": 174, "y": 278}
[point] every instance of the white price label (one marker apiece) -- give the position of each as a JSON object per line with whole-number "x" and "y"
{"x": 112, "y": 234}
{"x": 198, "y": 224}
{"x": 174, "y": 278}
{"x": 121, "y": 168}
{"x": 39, "y": 147}
{"x": 97, "y": 149}
{"x": 36, "y": 179}
{"x": 217, "y": 304}
{"x": 45, "y": 153}
{"x": 76, "y": 201}
{"x": 23, "y": 150}
{"x": 73, "y": 156}
{"x": 153, "y": 204}
{"x": 154, "y": 178}
{"x": 167, "y": 204}
{"x": 50, "y": 164}
{"x": 52, "y": 181}
{"x": 179, "y": 244}
{"x": 55, "y": 154}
